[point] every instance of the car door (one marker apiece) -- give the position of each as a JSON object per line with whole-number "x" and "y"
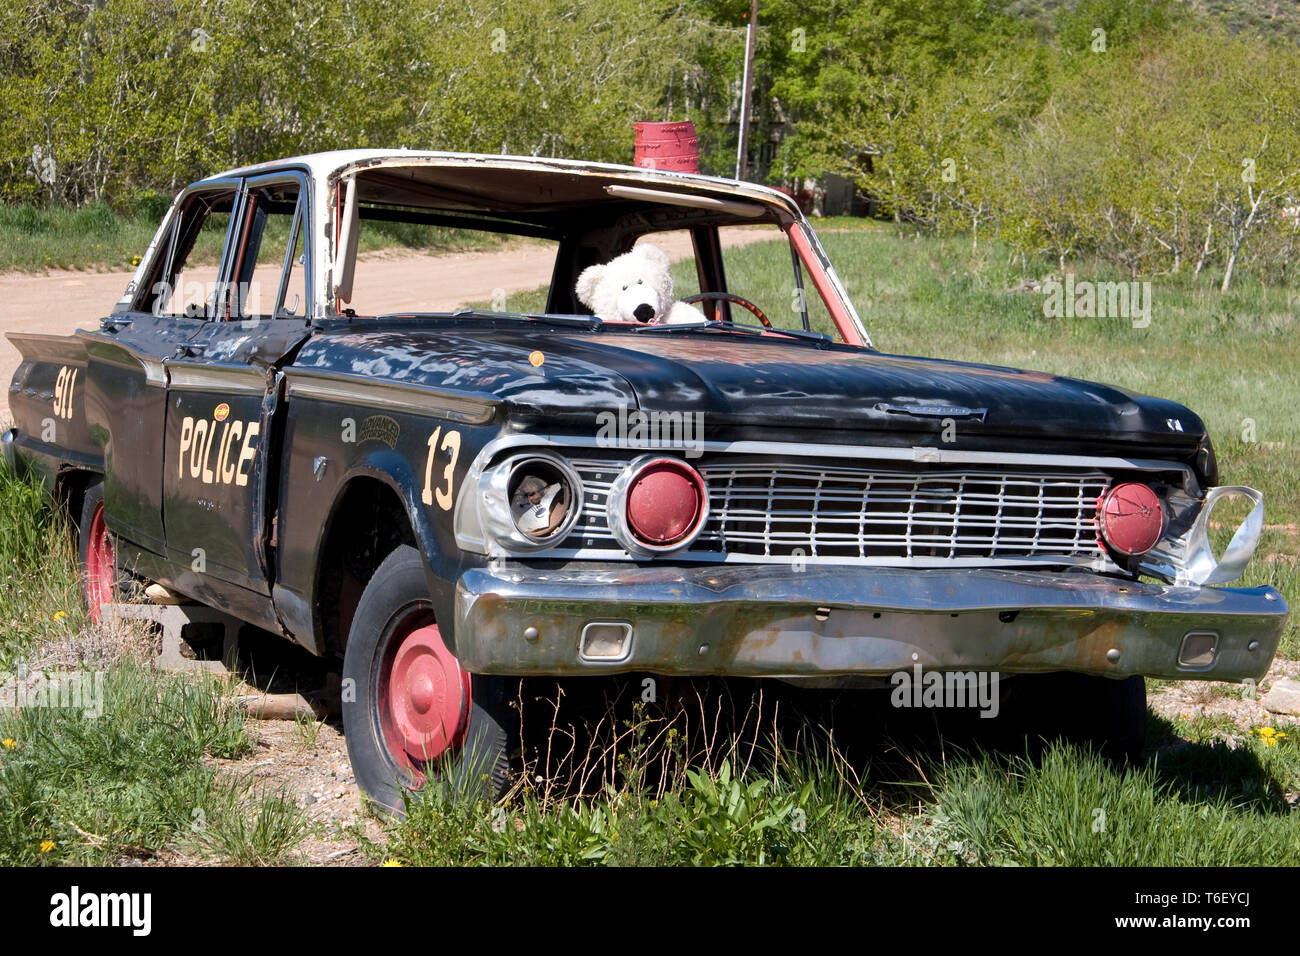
{"x": 126, "y": 389}
{"x": 224, "y": 400}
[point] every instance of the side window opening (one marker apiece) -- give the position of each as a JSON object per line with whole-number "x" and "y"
{"x": 271, "y": 278}
{"x": 184, "y": 279}
{"x": 403, "y": 254}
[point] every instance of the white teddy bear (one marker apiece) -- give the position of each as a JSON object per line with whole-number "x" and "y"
{"x": 635, "y": 287}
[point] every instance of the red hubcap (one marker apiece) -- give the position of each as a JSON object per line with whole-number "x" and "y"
{"x": 101, "y": 564}
{"x": 426, "y": 699}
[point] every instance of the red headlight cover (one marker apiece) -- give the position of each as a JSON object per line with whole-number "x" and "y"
{"x": 1132, "y": 518}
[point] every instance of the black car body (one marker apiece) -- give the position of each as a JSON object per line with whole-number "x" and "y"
{"x": 859, "y": 513}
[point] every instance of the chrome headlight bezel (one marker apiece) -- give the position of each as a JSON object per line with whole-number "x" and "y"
{"x": 1185, "y": 557}
{"x": 495, "y": 517}
{"x": 616, "y": 508}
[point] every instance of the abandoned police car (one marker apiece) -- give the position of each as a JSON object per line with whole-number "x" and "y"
{"x": 447, "y": 498}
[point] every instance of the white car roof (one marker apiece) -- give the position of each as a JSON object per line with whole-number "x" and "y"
{"x": 326, "y": 164}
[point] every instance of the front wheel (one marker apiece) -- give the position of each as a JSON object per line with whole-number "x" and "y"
{"x": 410, "y": 712}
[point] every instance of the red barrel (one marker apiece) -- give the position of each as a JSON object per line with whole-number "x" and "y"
{"x": 672, "y": 146}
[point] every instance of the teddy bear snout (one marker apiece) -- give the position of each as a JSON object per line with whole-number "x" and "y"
{"x": 644, "y": 312}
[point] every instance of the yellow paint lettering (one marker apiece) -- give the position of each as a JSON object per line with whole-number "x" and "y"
{"x": 208, "y": 476}
{"x": 450, "y": 444}
{"x": 426, "y": 495}
{"x": 228, "y": 468}
{"x": 246, "y": 453}
{"x": 59, "y": 384}
{"x": 196, "y": 449}
{"x": 187, "y": 435}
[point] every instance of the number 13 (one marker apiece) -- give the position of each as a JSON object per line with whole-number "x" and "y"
{"x": 450, "y": 444}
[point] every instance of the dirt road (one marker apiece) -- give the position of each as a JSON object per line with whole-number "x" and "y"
{"x": 60, "y": 302}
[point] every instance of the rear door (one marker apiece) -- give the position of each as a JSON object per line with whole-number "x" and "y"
{"x": 224, "y": 402}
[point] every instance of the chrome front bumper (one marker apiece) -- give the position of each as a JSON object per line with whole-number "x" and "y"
{"x": 769, "y": 621}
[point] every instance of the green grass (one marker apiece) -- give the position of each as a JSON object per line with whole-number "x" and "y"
{"x": 131, "y": 781}
{"x": 796, "y": 811}
{"x": 1204, "y": 805}
{"x": 1071, "y": 809}
{"x": 127, "y": 772}
{"x": 37, "y": 568}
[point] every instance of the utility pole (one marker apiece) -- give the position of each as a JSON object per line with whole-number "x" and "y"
{"x": 746, "y": 97}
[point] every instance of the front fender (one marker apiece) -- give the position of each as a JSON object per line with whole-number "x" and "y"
{"x": 329, "y": 446}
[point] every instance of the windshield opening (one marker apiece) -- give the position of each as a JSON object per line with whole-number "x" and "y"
{"x": 580, "y": 249}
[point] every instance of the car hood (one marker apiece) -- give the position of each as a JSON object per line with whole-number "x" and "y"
{"x": 738, "y": 380}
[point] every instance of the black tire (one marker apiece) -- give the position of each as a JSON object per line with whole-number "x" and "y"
{"x": 88, "y": 528}
{"x": 394, "y": 603}
{"x": 1106, "y": 714}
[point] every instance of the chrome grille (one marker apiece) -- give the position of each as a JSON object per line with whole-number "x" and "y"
{"x": 592, "y": 529}
{"x": 761, "y": 511}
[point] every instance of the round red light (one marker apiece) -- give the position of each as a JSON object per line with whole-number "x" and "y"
{"x": 665, "y": 502}
{"x": 1132, "y": 518}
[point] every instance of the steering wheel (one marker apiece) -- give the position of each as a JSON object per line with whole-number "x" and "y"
{"x": 730, "y": 297}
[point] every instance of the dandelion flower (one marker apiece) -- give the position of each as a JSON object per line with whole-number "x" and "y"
{"x": 60, "y": 615}
{"x": 47, "y": 846}
{"x": 391, "y": 863}
{"x": 9, "y": 743}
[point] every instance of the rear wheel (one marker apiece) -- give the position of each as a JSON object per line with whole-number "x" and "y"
{"x": 411, "y": 714}
{"x": 98, "y": 553}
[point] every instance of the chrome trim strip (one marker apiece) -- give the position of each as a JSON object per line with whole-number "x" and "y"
{"x": 391, "y": 396}
{"x": 851, "y": 452}
{"x": 211, "y": 378}
{"x": 155, "y": 373}
{"x": 1099, "y": 565}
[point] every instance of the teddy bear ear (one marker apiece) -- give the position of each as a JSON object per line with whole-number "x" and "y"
{"x": 587, "y": 282}
{"x": 653, "y": 253}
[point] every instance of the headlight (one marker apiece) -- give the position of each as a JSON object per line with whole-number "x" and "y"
{"x": 1131, "y": 518}
{"x": 657, "y": 505}
{"x": 529, "y": 502}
